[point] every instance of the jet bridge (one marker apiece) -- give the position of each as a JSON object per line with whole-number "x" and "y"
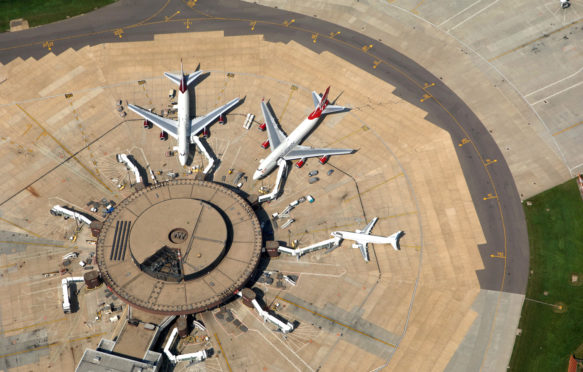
{"x": 57, "y": 210}
{"x": 199, "y": 356}
{"x": 65, "y": 286}
{"x": 194, "y": 139}
{"x": 276, "y": 190}
{"x": 328, "y": 244}
{"x": 123, "y": 158}
{"x": 267, "y": 317}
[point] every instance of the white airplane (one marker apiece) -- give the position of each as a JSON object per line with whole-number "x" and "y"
{"x": 286, "y": 147}
{"x": 362, "y": 238}
{"x": 185, "y": 128}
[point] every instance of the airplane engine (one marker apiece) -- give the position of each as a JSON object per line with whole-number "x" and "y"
{"x": 222, "y": 119}
{"x": 262, "y": 126}
{"x": 324, "y": 159}
{"x": 163, "y": 136}
{"x": 206, "y": 132}
{"x": 300, "y": 163}
{"x": 265, "y": 144}
{"x": 355, "y": 245}
{"x": 147, "y": 124}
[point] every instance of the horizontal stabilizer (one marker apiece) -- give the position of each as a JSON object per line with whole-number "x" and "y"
{"x": 394, "y": 240}
{"x": 176, "y": 78}
{"x": 333, "y": 108}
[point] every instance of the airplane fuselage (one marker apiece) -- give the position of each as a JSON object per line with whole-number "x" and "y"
{"x": 270, "y": 162}
{"x": 183, "y": 126}
{"x": 362, "y": 238}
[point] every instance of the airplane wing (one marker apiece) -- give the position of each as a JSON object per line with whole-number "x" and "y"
{"x": 197, "y": 124}
{"x": 367, "y": 229}
{"x": 300, "y": 152}
{"x": 274, "y": 134}
{"x": 168, "y": 125}
{"x": 363, "y": 250}
{"x": 174, "y": 77}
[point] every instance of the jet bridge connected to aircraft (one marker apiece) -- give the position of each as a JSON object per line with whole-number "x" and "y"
{"x": 202, "y": 146}
{"x": 277, "y": 189}
{"x": 328, "y": 244}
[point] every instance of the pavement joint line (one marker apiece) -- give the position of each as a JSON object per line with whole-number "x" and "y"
{"x": 223, "y": 352}
{"x": 63, "y": 147}
{"x": 50, "y": 345}
{"x": 20, "y": 227}
{"x": 473, "y": 15}
{"x": 413, "y": 82}
{"x": 373, "y": 187}
{"x": 556, "y": 93}
{"x": 336, "y": 322}
{"x": 568, "y": 128}
{"x": 32, "y": 325}
{"x": 545, "y": 35}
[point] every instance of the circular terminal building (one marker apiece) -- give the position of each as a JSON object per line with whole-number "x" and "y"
{"x": 179, "y": 247}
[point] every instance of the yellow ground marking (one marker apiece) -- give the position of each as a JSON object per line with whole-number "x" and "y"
{"x": 363, "y": 128}
{"x": 376, "y": 63}
{"x": 32, "y": 243}
{"x": 223, "y": 352}
{"x": 373, "y": 187}
{"x": 303, "y": 233}
{"x": 490, "y": 161}
{"x": 7, "y": 266}
{"x": 366, "y": 48}
{"x": 336, "y": 322}
{"x": 36, "y": 325}
{"x": 464, "y": 141}
{"x": 69, "y": 97}
{"x": 315, "y": 37}
{"x": 166, "y": 19}
{"x": 51, "y": 344}
{"x": 354, "y": 47}
{"x": 28, "y": 126}
{"x": 291, "y": 93}
{"x": 252, "y": 24}
{"x": 490, "y": 196}
{"x": 427, "y": 85}
{"x": 414, "y": 10}
{"x": 118, "y": 32}
{"x": 29, "y": 350}
{"x": 49, "y": 45}
{"x": 155, "y": 14}
{"x": 187, "y": 23}
{"x": 498, "y": 255}
{"x": 535, "y": 40}
{"x": 287, "y": 23}
{"x": 191, "y": 3}
{"x": 568, "y": 128}
{"x": 19, "y": 227}
{"x": 63, "y": 147}
{"x": 425, "y": 97}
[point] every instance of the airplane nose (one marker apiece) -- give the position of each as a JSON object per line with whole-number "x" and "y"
{"x": 257, "y": 175}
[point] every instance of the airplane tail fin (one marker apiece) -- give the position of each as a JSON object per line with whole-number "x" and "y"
{"x": 183, "y": 81}
{"x": 394, "y": 240}
{"x": 322, "y": 103}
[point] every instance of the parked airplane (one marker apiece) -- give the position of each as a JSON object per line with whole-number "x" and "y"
{"x": 185, "y": 128}
{"x": 363, "y": 237}
{"x": 286, "y": 147}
